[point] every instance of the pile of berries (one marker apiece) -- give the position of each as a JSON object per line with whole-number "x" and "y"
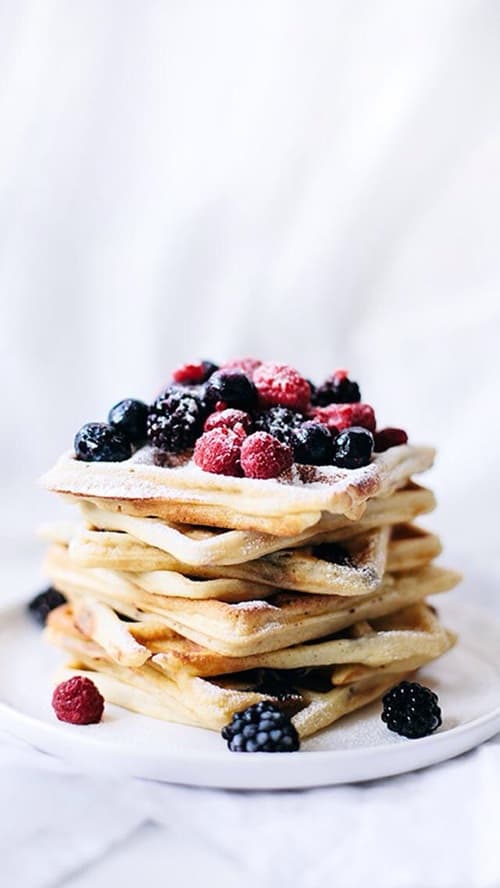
{"x": 245, "y": 418}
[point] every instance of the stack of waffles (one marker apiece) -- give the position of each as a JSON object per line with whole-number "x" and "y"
{"x": 191, "y": 595}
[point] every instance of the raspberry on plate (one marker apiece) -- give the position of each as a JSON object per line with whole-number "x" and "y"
{"x": 386, "y": 438}
{"x": 218, "y": 451}
{"x": 238, "y": 420}
{"x": 263, "y": 456}
{"x": 78, "y": 701}
{"x": 281, "y": 385}
{"x": 342, "y": 416}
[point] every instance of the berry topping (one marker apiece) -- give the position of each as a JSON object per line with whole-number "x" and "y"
{"x": 263, "y": 456}
{"x": 218, "y": 451}
{"x": 280, "y": 422}
{"x": 313, "y": 444}
{"x": 129, "y": 417}
{"x": 99, "y": 442}
{"x": 233, "y": 387}
{"x": 411, "y": 710}
{"x": 353, "y": 448}
{"x": 337, "y": 389}
{"x": 45, "y": 602}
{"x": 341, "y": 416}
{"x": 194, "y": 374}
{"x": 238, "y": 420}
{"x": 386, "y": 438}
{"x": 261, "y": 728}
{"x": 176, "y": 420}
{"x": 78, "y": 701}
{"x": 248, "y": 365}
{"x": 281, "y": 385}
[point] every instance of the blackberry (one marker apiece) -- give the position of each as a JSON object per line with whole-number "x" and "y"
{"x": 411, "y": 710}
{"x": 233, "y": 387}
{"x": 176, "y": 419}
{"x": 100, "y": 442}
{"x": 279, "y": 422}
{"x": 276, "y": 683}
{"x": 261, "y": 728}
{"x": 333, "y": 552}
{"x": 353, "y": 448}
{"x": 337, "y": 389}
{"x": 312, "y": 444}
{"x": 130, "y": 417}
{"x": 45, "y": 602}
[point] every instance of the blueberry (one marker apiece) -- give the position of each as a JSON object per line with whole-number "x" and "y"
{"x": 233, "y": 387}
{"x": 312, "y": 444}
{"x": 45, "y": 602}
{"x": 353, "y": 448}
{"x": 129, "y": 417}
{"x": 99, "y": 442}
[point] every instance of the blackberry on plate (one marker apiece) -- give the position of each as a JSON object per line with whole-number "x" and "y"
{"x": 312, "y": 444}
{"x": 176, "y": 420}
{"x": 261, "y": 728}
{"x": 353, "y": 448}
{"x": 233, "y": 387}
{"x": 411, "y": 710}
{"x": 45, "y": 602}
{"x": 279, "y": 422}
{"x": 100, "y": 442}
{"x": 337, "y": 389}
{"x": 130, "y": 417}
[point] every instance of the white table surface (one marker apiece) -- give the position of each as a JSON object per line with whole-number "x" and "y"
{"x": 437, "y": 828}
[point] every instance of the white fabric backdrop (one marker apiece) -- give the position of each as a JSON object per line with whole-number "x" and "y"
{"x": 317, "y": 182}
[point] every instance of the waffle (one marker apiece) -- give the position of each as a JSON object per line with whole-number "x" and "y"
{"x": 169, "y": 686}
{"x": 185, "y": 494}
{"x": 246, "y": 627}
{"x": 355, "y": 568}
{"x": 131, "y": 543}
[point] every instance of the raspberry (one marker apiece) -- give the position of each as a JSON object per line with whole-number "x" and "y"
{"x": 386, "y": 438}
{"x": 194, "y": 374}
{"x": 248, "y": 365}
{"x": 78, "y": 701}
{"x": 237, "y": 420}
{"x": 281, "y": 385}
{"x": 263, "y": 456}
{"x": 337, "y": 389}
{"x": 342, "y": 416}
{"x": 218, "y": 451}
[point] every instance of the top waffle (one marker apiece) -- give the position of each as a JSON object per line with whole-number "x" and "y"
{"x": 250, "y": 446}
{"x": 283, "y": 506}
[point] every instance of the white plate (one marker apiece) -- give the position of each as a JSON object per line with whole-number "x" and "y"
{"x": 360, "y": 747}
